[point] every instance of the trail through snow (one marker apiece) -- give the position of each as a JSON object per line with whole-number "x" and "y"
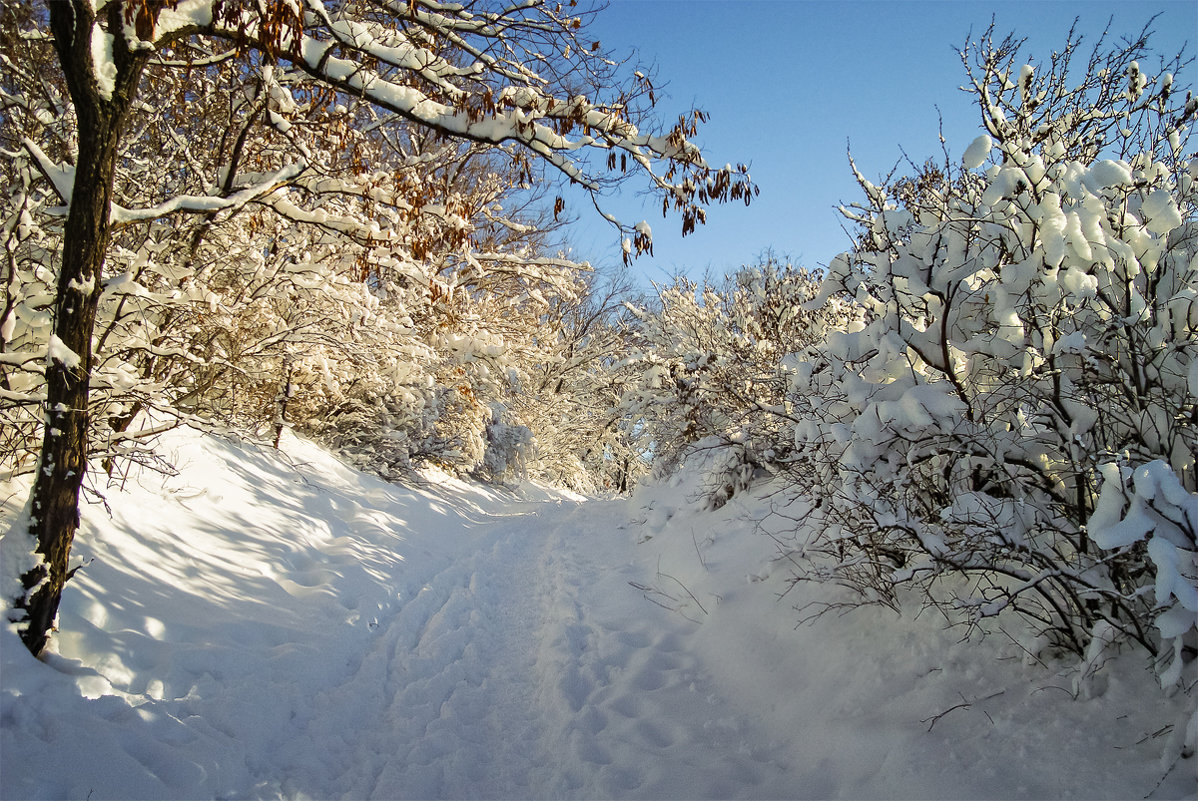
{"x": 271, "y": 627}
{"x": 504, "y": 677}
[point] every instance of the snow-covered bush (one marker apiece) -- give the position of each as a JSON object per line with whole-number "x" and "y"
{"x": 711, "y": 362}
{"x": 1028, "y": 339}
{"x": 1147, "y": 509}
{"x": 509, "y": 449}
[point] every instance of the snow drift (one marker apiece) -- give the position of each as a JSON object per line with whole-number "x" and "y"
{"x": 272, "y": 624}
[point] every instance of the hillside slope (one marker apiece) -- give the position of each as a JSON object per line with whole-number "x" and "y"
{"x": 276, "y": 625}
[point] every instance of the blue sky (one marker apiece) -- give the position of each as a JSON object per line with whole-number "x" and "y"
{"x": 791, "y": 84}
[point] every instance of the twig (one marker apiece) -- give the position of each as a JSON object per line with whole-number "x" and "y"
{"x": 1162, "y": 730}
{"x": 685, "y": 589}
{"x": 936, "y": 718}
{"x": 649, "y": 592}
{"x": 1022, "y": 647}
{"x": 965, "y": 704}
{"x": 1161, "y": 780}
{"x": 702, "y": 561}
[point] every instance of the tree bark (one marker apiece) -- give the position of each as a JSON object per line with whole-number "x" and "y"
{"x": 54, "y": 504}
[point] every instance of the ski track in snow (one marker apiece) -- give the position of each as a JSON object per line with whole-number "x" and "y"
{"x": 259, "y": 629}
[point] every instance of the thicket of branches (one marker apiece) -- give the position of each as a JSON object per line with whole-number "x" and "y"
{"x": 990, "y": 405}
{"x": 710, "y": 365}
{"x": 316, "y": 263}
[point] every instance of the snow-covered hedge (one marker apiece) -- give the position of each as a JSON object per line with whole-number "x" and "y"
{"x": 1016, "y": 406}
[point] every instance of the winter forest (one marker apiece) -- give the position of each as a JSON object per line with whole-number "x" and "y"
{"x": 290, "y": 306}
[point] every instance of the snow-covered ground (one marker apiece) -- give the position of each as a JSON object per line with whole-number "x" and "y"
{"x": 275, "y": 625}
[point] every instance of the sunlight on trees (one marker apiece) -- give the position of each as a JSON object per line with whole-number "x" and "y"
{"x": 259, "y": 216}
{"x": 280, "y": 211}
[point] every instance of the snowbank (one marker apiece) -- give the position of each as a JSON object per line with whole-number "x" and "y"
{"x": 275, "y": 625}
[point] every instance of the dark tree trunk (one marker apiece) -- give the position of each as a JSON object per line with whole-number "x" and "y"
{"x": 55, "y": 498}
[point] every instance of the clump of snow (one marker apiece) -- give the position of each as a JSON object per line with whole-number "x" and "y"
{"x": 1107, "y": 173}
{"x": 1151, "y": 503}
{"x": 977, "y": 152}
{"x": 1161, "y": 211}
{"x": 57, "y": 351}
{"x": 102, "y": 61}
{"x": 17, "y": 558}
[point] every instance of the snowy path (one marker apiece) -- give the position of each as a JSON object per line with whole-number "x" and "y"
{"x": 452, "y": 709}
{"x": 287, "y": 628}
{"x": 503, "y": 677}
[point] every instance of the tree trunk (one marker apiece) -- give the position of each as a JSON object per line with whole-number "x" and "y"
{"x": 55, "y": 496}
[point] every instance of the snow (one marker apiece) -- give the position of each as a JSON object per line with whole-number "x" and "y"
{"x": 1106, "y": 173}
{"x": 61, "y": 175}
{"x": 8, "y": 325}
{"x": 276, "y": 625}
{"x": 102, "y": 61}
{"x": 1170, "y": 579}
{"x": 1161, "y": 211}
{"x": 17, "y": 554}
{"x": 210, "y": 203}
{"x": 185, "y": 14}
{"x": 977, "y": 152}
{"x": 56, "y": 350}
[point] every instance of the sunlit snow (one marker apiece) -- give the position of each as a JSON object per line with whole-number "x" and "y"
{"x": 275, "y": 625}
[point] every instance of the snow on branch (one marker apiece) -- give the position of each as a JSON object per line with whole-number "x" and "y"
{"x": 209, "y": 204}
{"x": 481, "y": 90}
{"x": 62, "y": 178}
